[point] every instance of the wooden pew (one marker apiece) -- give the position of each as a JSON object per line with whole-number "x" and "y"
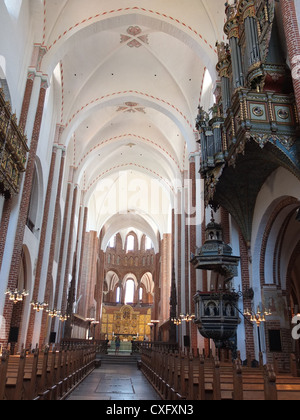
{"x": 288, "y": 387}
{"x": 43, "y": 376}
{"x": 15, "y": 377}
{"x": 180, "y": 377}
{"x": 3, "y": 373}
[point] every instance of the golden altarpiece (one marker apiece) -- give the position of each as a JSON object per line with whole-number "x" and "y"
{"x": 127, "y": 322}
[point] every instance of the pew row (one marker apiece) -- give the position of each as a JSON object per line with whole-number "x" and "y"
{"x": 47, "y": 375}
{"x": 177, "y": 376}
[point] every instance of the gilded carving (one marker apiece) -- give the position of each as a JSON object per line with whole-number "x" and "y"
{"x": 13, "y": 149}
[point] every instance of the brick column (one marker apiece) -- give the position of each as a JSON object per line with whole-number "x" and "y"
{"x": 99, "y": 290}
{"x": 291, "y": 29}
{"x": 88, "y": 273}
{"x": 81, "y": 285}
{"x": 25, "y": 200}
{"x": 27, "y": 99}
{"x": 60, "y": 269}
{"x": 179, "y": 257}
{"x": 91, "y": 273}
{"x": 166, "y": 276}
{"x": 250, "y": 346}
{"x": 193, "y": 245}
{"x": 69, "y": 251}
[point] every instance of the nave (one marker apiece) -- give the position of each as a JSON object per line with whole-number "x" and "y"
{"x": 149, "y": 192}
{"x": 115, "y": 382}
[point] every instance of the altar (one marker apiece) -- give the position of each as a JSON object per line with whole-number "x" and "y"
{"x": 125, "y": 347}
{"x": 126, "y": 322}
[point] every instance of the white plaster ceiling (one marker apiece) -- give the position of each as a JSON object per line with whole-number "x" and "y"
{"x": 129, "y": 77}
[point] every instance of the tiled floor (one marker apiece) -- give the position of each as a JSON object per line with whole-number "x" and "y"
{"x": 115, "y": 383}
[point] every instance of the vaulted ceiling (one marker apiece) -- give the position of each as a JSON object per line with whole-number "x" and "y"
{"x": 128, "y": 78}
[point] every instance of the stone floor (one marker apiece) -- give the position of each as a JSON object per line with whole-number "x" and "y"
{"x": 115, "y": 383}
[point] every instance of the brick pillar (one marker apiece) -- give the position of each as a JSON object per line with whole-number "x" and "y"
{"x": 81, "y": 285}
{"x": 193, "y": 245}
{"x": 179, "y": 258}
{"x": 91, "y": 271}
{"x": 27, "y": 99}
{"x": 99, "y": 291}
{"x": 60, "y": 269}
{"x": 25, "y": 201}
{"x": 47, "y": 258}
{"x": 88, "y": 271}
{"x": 69, "y": 251}
{"x": 291, "y": 29}
{"x": 155, "y": 309}
{"x": 250, "y": 347}
{"x": 35, "y": 296}
{"x": 166, "y": 276}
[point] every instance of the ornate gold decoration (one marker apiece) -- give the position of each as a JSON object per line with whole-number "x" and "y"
{"x": 13, "y": 150}
{"x": 127, "y": 322}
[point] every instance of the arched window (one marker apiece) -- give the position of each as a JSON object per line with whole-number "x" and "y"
{"x": 13, "y": 7}
{"x": 148, "y": 244}
{"x": 129, "y": 293}
{"x": 130, "y": 243}
{"x": 112, "y": 242}
{"x": 118, "y": 297}
{"x": 141, "y": 294}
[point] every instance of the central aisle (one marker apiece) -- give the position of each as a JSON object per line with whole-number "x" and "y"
{"x": 115, "y": 383}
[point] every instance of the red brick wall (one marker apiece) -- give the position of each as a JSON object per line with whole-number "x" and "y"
{"x": 250, "y": 348}
{"x": 193, "y": 244}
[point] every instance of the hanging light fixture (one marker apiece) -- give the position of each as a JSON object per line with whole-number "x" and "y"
{"x": 16, "y": 295}
{"x": 259, "y": 317}
{"x": 38, "y": 307}
{"x": 64, "y": 318}
{"x": 187, "y": 318}
{"x": 183, "y": 318}
{"x": 53, "y": 313}
{"x": 176, "y": 321}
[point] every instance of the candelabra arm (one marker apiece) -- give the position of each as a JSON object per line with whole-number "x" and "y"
{"x": 249, "y": 322}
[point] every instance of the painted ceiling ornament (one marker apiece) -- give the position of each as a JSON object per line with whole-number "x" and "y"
{"x": 134, "y": 39}
{"x": 131, "y": 107}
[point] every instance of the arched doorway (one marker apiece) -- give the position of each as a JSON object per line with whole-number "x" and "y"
{"x": 275, "y": 274}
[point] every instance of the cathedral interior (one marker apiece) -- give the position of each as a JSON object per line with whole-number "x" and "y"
{"x": 150, "y": 175}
